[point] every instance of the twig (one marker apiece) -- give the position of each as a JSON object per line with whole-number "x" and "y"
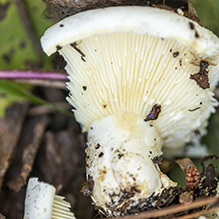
{"x": 43, "y": 83}
{"x": 173, "y": 209}
{"x": 14, "y": 75}
{"x": 41, "y": 110}
{"x": 1, "y": 216}
{"x": 197, "y": 214}
{"x": 29, "y": 155}
{"x": 27, "y": 23}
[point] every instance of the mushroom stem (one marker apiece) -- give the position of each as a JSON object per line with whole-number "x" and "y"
{"x": 120, "y": 155}
{"x": 42, "y": 203}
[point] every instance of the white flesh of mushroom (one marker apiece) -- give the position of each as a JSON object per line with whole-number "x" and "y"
{"x": 122, "y": 62}
{"x": 42, "y": 203}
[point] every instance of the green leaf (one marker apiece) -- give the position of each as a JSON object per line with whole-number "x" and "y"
{"x": 17, "y": 49}
{"x": 18, "y": 92}
{"x": 208, "y": 12}
{"x": 7, "y": 97}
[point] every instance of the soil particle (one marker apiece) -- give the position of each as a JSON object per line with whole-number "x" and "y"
{"x": 175, "y": 54}
{"x": 58, "y": 47}
{"x": 153, "y": 115}
{"x": 100, "y": 154}
{"x": 191, "y": 25}
{"x": 201, "y": 78}
{"x": 74, "y": 45}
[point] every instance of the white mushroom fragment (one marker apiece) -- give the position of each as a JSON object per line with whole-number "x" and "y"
{"x": 42, "y": 203}
{"x": 141, "y": 82}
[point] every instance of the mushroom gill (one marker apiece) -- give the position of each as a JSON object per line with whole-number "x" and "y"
{"x": 141, "y": 82}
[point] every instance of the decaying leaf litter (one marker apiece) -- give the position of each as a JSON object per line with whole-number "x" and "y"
{"x": 40, "y": 129}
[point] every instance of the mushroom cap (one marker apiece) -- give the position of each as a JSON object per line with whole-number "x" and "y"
{"x": 131, "y": 58}
{"x": 134, "y": 19}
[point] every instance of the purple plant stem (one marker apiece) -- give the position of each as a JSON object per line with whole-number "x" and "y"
{"x": 14, "y": 75}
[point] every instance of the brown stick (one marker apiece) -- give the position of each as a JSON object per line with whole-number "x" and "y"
{"x": 27, "y": 23}
{"x": 197, "y": 214}
{"x": 29, "y": 155}
{"x": 174, "y": 209}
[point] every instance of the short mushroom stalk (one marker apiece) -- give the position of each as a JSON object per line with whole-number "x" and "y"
{"x": 141, "y": 82}
{"x": 119, "y": 160}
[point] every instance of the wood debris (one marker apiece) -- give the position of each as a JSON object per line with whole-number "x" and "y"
{"x": 29, "y": 154}
{"x": 10, "y": 129}
{"x": 43, "y": 143}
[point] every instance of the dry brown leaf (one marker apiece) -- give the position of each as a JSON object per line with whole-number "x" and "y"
{"x": 2, "y": 217}
{"x": 185, "y": 163}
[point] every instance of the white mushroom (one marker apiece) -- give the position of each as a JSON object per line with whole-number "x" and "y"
{"x": 141, "y": 82}
{"x": 42, "y": 203}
